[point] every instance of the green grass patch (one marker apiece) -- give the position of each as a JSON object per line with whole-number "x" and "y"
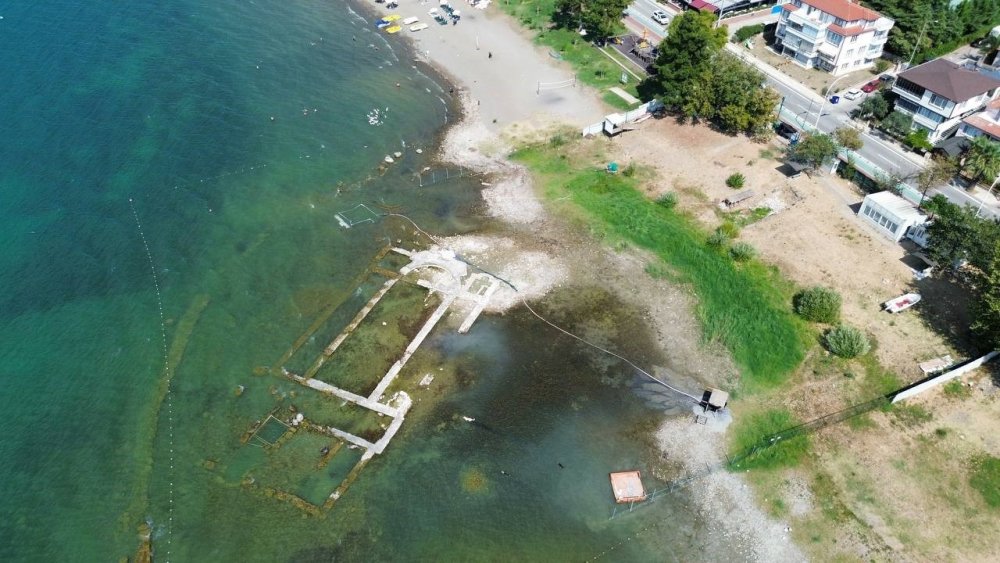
{"x": 985, "y": 478}
{"x": 910, "y": 415}
{"x": 744, "y": 218}
{"x": 534, "y": 14}
{"x": 744, "y": 306}
{"x": 955, "y": 389}
{"x": 593, "y": 68}
{"x": 754, "y": 430}
{"x": 877, "y": 381}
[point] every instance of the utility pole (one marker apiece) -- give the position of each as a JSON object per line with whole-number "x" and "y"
{"x": 919, "y": 39}
{"x": 823, "y": 103}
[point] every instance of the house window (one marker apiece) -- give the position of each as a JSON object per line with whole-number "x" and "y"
{"x": 839, "y": 22}
{"x": 868, "y": 210}
{"x": 850, "y": 52}
{"x": 938, "y": 101}
{"x": 854, "y": 38}
{"x": 936, "y": 118}
{"x": 893, "y": 227}
{"x": 834, "y": 38}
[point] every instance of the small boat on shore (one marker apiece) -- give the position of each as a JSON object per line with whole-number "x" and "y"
{"x": 901, "y": 303}
{"x": 393, "y": 29}
{"x": 385, "y": 22}
{"x": 410, "y": 20}
{"x": 418, "y": 27}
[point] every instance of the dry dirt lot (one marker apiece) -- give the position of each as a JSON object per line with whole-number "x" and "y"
{"x": 868, "y": 491}
{"x": 814, "y": 238}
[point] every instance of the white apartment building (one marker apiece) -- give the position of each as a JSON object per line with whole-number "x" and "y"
{"x": 939, "y": 94}
{"x": 838, "y": 36}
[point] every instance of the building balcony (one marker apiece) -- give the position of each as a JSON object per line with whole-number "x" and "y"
{"x": 805, "y": 38}
{"x": 908, "y": 94}
{"x": 829, "y": 50}
{"x": 884, "y": 24}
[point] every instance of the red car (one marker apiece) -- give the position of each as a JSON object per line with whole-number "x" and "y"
{"x": 871, "y": 86}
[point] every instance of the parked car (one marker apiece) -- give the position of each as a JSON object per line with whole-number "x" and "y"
{"x": 871, "y": 86}
{"x": 661, "y": 17}
{"x": 852, "y": 94}
{"x": 785, "y": 130}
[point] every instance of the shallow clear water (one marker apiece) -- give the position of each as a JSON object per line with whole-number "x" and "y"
{"x": 227, "y": 135}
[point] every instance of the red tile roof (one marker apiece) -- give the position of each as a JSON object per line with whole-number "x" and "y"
{"x": 990, "y": 128}
{"x": 790, "y": 7}
{"x": 703, "y": 6}
{"x": 844, "y": 9}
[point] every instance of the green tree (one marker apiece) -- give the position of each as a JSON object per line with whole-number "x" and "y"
{"x": 982, "y": 160}
{"x": 937, "y": 172}
{"x": 897, "y": 123}
{"x": 601, "y": 18}
{"x": 938, "y": 25}
{"x": 684, "y": 64}
{"x": 813, "y": 150}
{"x": 986, "y": 309}
{"x": 875, "y": 107}
{"x": 958, "y": 234}
{"x": 918, "y": 141}
{"x": 849, "y": 138}
{"x": 739, "y": 99}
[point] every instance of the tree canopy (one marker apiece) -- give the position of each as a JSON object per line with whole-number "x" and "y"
{"x": 944, "y": 26}
{"x": 959, "y": 233}
{"x": 874, "y": 107}
{"x": 986, "y": 309}
{"x": 982, "y": 160}
{"x": 601, "y": 18}
{"x": 848, "y": 137}
{"x": 684, "y": 64}
{"x": 937, "y": 172}
{"x": 813, "y": 150}
{"x": 698, "y": 79}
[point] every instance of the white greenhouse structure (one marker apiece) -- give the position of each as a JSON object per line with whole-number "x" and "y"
{"x": 891, "y": 215}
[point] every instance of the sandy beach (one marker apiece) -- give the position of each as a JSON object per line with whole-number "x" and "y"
{"x": 538, "y": 253}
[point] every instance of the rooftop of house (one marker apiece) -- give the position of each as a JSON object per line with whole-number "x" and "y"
{"x": 843, "y": 9}
{"x": 948, "y": 79}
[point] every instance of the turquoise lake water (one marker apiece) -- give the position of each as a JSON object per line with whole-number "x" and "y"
{"x": 226, "y": 135}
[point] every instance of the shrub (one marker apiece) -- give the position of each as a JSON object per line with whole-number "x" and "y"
{"x": 629, "y": 170}
{"x": 728, "y": 229}
{"x": 881, "y": 66}
{"x": 846, "y": 342}
{"x": 818, "y": 304}
{"x": 717, "y": 240}
{"x": 735, "y": 180}
{"x": 557, "y": 140}
{"x": 667, "y": 200}
{"x": 741, "y": 252}
{"x": 744, "y": 33}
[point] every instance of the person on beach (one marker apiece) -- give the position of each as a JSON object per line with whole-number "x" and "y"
{"x": 490, "y": 55}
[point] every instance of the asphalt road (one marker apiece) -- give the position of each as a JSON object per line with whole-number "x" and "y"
{"x": 884, "y": 155}
{"x": 807, "y": 105}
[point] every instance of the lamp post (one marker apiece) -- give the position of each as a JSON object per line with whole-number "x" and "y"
{"x": 722, "y": 10}
{"x": 919, "y": 39}
{"x": 823, "y": 103}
